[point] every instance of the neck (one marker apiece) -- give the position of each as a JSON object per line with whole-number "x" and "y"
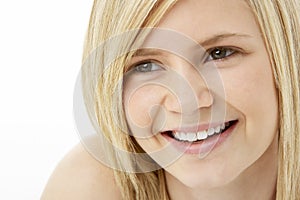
{"x": 257, "y": 182}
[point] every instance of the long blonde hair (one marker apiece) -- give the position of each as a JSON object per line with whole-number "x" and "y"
{"x": 280, "y": 27}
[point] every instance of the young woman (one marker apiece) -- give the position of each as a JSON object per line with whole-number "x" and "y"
{"x": 209, "y": 98}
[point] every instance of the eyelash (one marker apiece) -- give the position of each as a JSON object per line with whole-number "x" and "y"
{"x": 229, "y": 51}
{"x": 139, "y": 66}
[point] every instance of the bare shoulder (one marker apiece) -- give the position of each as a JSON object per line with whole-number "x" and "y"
{"x": 80, "y": 176}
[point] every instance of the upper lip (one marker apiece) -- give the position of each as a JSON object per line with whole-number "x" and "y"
{"x": 197, "y": 128}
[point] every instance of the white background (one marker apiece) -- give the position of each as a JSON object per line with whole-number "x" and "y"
{"x": 40, "y": 49}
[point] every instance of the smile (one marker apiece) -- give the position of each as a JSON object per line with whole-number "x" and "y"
{"x": 202, "y": 139}
{"x": 201, "y": 135}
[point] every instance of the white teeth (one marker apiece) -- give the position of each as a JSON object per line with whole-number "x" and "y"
{"x": 210, "y": 131}
{"x": 176, "y": 135}
{"x": 183, "y": 137}
{"x": 223, "y": 126}
{"x": 201, "y": 135}
{"x": 191, "y": 137}
{"x": 218, "y": 129}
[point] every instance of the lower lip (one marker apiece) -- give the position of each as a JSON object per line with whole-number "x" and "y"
{"x": 204, "y": 147}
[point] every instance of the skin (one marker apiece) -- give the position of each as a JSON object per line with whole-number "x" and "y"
{"x": 244, "y": 166}
{"x": 80, "y": 176}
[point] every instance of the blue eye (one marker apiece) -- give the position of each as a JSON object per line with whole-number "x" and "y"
{"x": 219, "y": 53}
{"x": 147, "y": 67}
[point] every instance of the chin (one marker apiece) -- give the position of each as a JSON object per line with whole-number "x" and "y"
{"x": 206, "y": 175}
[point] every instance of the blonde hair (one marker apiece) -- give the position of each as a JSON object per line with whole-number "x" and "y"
{"x": 280, "y": 27}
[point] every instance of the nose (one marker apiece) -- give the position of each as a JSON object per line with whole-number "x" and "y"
{"x": 188, "y": 91}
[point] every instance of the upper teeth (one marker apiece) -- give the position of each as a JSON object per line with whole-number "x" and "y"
{"x": 201, "y": 135}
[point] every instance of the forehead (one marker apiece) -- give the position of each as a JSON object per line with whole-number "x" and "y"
{"x": 199, "y": 19}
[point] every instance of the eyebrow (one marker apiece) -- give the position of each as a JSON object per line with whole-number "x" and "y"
{"x": 206, "y": 42}
{"x": 147, "y": 52}
{"x": 218, "y": 37}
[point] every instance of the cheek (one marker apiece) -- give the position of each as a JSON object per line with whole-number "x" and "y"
{"x": 142, "y": 106}
{"x": 250, "y": 89}
{"x": 140, "y": 103}
{"x": 250, "y": 85}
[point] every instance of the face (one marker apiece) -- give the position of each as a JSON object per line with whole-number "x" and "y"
{"x": 205, "y": 121}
